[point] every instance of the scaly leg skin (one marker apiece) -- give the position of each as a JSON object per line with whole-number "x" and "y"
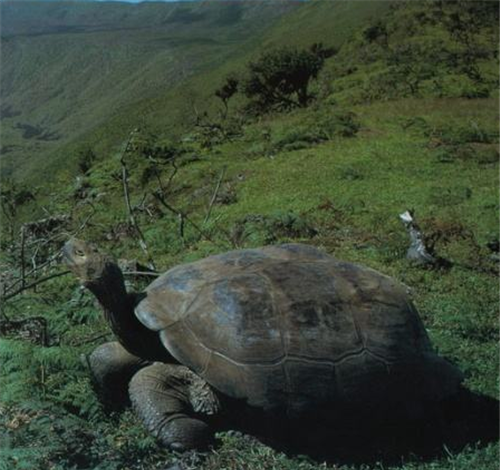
{"x": 112, "y": 367}
{"x": 171, "y": 400}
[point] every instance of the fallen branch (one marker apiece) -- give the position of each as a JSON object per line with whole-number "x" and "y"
{"x": 90, "y": 340}
{"x": 32, "y": 328}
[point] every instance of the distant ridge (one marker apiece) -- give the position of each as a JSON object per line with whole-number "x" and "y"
{"x": 69, "y": 66}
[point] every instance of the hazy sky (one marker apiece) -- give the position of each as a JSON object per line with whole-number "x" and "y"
{"x": 138, "y": 1}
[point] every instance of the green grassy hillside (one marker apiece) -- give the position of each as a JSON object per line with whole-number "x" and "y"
{"x": 68, "y": 67}
{"x": 383, "y": 135}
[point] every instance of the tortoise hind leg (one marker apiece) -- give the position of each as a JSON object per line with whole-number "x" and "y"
{"x": 111, "y": 367}
{"x": 171, "y": 401}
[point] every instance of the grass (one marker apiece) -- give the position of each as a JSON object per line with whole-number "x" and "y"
{"x": 353, "y": 218}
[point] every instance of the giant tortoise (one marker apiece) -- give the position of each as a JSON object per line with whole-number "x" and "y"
{"x": 286, "y": 329}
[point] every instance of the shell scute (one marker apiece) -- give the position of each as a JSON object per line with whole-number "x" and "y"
{"x": 244, "y": 259}
{"x": 236, "y": 318}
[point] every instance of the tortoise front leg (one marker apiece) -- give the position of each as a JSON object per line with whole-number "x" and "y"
{"x": 171, "y": 401}
{"x": 112, "y": 367}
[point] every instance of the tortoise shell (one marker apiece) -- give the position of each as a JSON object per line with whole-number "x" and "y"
{"x": 291, "y": 327}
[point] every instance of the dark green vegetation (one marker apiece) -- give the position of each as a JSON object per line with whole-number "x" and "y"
{"x": 405, "y": 115}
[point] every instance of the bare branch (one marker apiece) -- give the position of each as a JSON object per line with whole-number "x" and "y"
{"x": 33, "y": 284}
{"x": 87, "y": 220}
{"x": 131, "y": 216}
{"x": 90, "y": 340}
{"x": 184, "y": 217}
{"x": 214, "y": 196}
{"x": 23, "y": 241}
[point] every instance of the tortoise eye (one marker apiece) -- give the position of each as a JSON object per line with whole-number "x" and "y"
{"x": 79, "y": 252}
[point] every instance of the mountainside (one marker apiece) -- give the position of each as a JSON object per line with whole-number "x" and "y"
{"x": 69, "y": 66}
{"x": 327, "y": 123}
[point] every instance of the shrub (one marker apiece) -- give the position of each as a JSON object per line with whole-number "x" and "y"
{"x": 337, "y": 124}
{"x": 375, "y": 32}
{"x": 227, "y": 91}
{"x": 458, "y": 135}
{"x": 279, "y": 79}
{"x": 295, "y": 137}
{"x": 278, "y": 226}
{"x": 464, "y": 87}
{"x": 351, "y": 173}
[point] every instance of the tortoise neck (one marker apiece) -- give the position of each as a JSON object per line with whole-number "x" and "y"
{"x": 118, "y": 307}
{"x": 111, "y": 293}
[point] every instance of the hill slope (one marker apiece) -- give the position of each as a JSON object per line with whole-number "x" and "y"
{"x": 383, "y": 135}
{"x": 67, "y": 67}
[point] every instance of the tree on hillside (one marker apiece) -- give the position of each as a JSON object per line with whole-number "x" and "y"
{"x": 227, "y": 91}
{"x": 411, "y": 64}
{"x": 280, "y": 78}
{"x": 376, "y": 31}
{"x": 465, "y": 21}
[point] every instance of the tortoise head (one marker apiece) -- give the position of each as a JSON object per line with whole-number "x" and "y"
{"x": 90, "y": 265}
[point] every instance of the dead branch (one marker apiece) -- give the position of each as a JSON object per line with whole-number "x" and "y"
{"x": 134, "y": 268}
{"x": 33, "y": 284}
{"x": 172, "y": 175}
{"x": 417, "y": 251}
{"x": 214, "y": 196}
{"x": 424, "y": 253}
{"x": 86, "y": 221}
{"x": 45, "y": 226}
{"x": 183, "y": 217}
{"x": 33, "y": 329}
{"x": 23, "y": 241}
{"x": 90, "y": 340}
{"x": 164, "y": 188}
{"x": 131, "y": 216}
{"x": 180, "y": 217}
{"x": 37, "y": 268}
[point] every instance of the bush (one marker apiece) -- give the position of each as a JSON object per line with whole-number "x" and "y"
{"x": 296, "y": 137}
{"x": 277, "y": 227}
{"x": 457, "y": 135}
{"x": 279, "y": 79}
{"x": 337, "y": 124}
{"x": 464, "y": 87}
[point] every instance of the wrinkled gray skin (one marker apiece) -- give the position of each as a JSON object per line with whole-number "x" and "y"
{"x": 168, "y": 397}
{"x": 284, "y": 329}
